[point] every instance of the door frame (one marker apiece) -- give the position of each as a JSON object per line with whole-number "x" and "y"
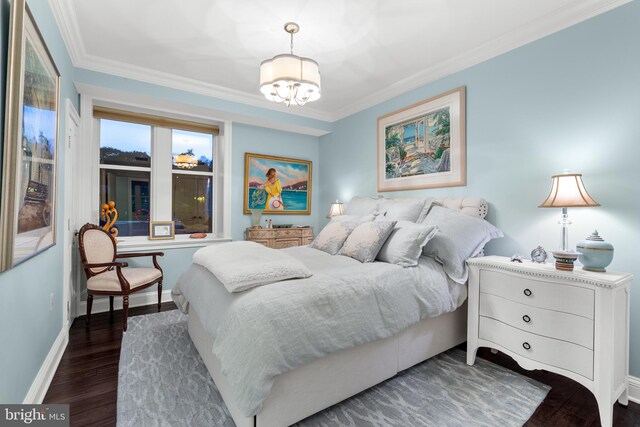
{"x": 70, "y": 291}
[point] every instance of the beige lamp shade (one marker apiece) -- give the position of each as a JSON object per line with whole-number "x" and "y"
{"x": 336, "y": 209}
{"x": 567, "y": 191}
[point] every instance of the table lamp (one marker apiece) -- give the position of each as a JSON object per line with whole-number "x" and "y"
{"x": 567, "y": 191}
{"x": 337, "y": 208}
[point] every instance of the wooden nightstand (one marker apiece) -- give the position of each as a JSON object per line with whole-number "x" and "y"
{"x": 279, "y": 238}
{"x": 572, "y": 323}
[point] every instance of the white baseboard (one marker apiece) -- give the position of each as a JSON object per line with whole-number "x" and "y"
{"x": 101, "y": 303}
{"x": 634, "y": 389}
{"x": 41, "y": 383}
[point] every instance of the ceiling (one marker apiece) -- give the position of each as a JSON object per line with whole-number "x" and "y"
{"x": 368, "y": 50}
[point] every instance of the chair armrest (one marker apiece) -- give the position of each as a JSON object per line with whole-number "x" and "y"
{"x": 106, "y": 264}
{"x": 139, "y": 254}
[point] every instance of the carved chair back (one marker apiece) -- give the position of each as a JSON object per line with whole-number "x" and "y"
{"x": 96, "y": 246}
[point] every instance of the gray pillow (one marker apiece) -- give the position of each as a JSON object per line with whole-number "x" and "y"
{"x": 401, "y": 209}
{"x": 362, "y": 206}
{"x": 332, "y": 236}
{"x": 405, "y": 243}
{"x": 354, "y": 218}
{"x": 460, "y": 237}
{"x": 365, "y": 241}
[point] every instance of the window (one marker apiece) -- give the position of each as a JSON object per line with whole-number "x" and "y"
{"x": 125, "y": 174}
{"x": 156, "y": 169}
{"x": 191, "y": 181}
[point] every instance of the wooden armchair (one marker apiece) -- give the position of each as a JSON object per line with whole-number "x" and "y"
{"x": 106, "y": 276}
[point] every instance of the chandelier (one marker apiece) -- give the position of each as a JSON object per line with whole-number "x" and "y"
{"x": 185, "y": 161}
{"x": 289, "y": 78}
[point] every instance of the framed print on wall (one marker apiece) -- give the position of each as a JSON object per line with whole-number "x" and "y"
{"x": 277, "y": 185}
{"x": 28, "y": 212}
{"x": 424, "y": 145}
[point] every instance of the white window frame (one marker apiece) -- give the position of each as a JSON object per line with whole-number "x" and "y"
{"x": 88, "y": 166}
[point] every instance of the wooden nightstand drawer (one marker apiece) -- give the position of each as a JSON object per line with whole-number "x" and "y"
{"x": 280, "y": 238}
{"x": 549, "y": 351}
{"x": 547, "y": 295}
{"x": 286, "y": 243}
{"x": 552, "y": 324}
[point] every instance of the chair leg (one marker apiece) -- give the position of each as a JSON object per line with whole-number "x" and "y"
{"x": 125, "y": 311}
{"x": 111, "y": 306}
{"x": 89, "y": 305}
{"x": 159, "y": 294}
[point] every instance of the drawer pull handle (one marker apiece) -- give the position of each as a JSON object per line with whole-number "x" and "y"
{"x": 527, "y": 292}
{"x": 526, "y": 318}
{"x": 526, "y": 346}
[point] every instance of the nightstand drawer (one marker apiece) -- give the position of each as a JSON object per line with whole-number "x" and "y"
{"x": 552, "y": 324}
{"x": 547, "y": 295}
{"x": 286, "y": 243}
{"x": 549, "y": 351}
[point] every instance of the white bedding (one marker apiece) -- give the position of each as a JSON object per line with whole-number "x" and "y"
{"x": 272, "y": 329}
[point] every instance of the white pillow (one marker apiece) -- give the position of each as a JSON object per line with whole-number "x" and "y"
{"x": 401, "y": 209}
{"x": 460, "y": 237}
{"x": 405, "y": 243}
{"x": 365, "y": 241}
{"x": 332, "y": 236}
{"x": 362, "y": 206}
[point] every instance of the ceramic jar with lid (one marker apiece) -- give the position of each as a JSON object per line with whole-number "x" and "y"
{"x": 595, "y": 253}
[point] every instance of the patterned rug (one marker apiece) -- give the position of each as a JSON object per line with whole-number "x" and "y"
{"x": 163, "y": 382}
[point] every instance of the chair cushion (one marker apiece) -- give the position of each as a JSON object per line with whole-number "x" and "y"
{"x": 108, "y": 281}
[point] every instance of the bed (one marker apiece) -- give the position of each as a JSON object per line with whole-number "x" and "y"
{"x": 432, "y": 319}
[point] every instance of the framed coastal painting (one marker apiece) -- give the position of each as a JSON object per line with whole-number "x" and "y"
{"x": 28, "y": 212}
{"x": 424, "y": 145}
{"x": 277, "y": 185}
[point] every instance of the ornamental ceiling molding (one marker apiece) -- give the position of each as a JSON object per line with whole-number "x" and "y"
{"x": 66, "y": 20}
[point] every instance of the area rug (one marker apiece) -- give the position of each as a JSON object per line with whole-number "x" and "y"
{"x": 163, "y": 382}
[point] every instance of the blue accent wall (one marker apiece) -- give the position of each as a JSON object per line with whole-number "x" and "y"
{"x": 27, "y": 327}
{"x": 568, "y": 101}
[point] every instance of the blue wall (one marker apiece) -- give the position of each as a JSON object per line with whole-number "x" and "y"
{"x": 252, "y": 139}
{"x": 27, "y": 327}
{"x": 570, "y": 100}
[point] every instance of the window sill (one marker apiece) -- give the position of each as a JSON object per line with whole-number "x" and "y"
{"x": 131, "y": 244}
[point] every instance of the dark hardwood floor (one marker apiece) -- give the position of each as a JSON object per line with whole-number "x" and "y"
{"x": 87, "y": 379}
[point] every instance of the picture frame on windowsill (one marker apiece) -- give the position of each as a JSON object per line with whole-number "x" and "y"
{"x": 162, "y": 230}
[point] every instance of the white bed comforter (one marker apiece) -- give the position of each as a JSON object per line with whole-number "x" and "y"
{"x": 272, "y": 329}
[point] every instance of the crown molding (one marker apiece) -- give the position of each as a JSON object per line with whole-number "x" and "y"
{"x": 129, "y": 71}
{"x": 551, "y": 23}
{"x": 560, "y": 19}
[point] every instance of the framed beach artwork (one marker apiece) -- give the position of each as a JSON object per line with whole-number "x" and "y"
{"x": 424, "y": 145}
{"x": 277, "y": 185}
{"x": 28, "y": 212}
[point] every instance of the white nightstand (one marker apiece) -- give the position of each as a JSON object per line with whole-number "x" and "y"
{"x": 572, "y": 323}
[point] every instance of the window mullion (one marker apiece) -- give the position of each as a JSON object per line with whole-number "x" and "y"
{"x": 161, "y": 187}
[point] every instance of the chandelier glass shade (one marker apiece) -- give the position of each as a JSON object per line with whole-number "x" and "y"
{"x": 289, "y": 78}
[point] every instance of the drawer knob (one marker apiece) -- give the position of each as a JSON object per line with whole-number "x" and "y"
{"x": 527, "y": 292}
{"x": 526, "y": 318}
{"x": 526, "y": 346}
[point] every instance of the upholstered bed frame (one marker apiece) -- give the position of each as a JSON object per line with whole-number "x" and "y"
{"x": 315, "y": 386}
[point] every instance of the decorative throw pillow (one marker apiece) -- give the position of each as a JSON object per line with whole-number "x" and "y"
{"x": 401, "y": 209}
{"x": 460, "y": 237}
{"x": 332, "y": 236}
{"x": 365, "y": 241}
{"x": 362, "y": 206}
{"x": 405, "y": 243}
{"x": 354, "y": 218}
